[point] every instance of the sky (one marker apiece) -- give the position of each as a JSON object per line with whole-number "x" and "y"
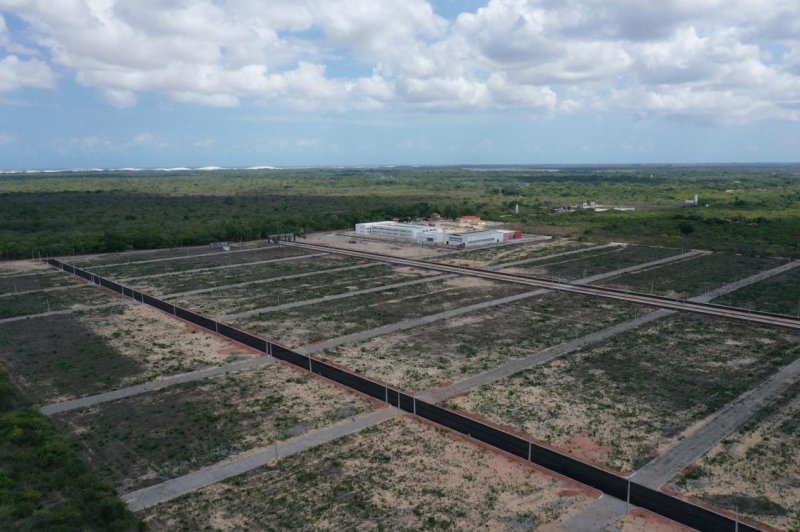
{"x": 239, "y": 83}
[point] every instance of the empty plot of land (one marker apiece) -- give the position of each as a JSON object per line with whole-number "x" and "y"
{"x": 457, "y": 348}
{"x": 250, "y": 297}
{"x": 481, "y": 258}
{"x": 401, "y": 475}
{"x": 693, "y": 277}
{"x": 66, "y": 356}
{"x": 780, "y": 294}
{"x": 192, "y": 263}
{"x": 144, "y": 440}
{"x": 35, "y": 281}
{"x": 41, "y": 302}
{"x": 14, "y": 268}
{"x": 755, "y": 469}
{"x": 597, "y": 262}
{"x": 619, "y": 403}
{"x": 186, "y": 281}
{"x": 87, "y": 261}
{"x": 303, "y": 325}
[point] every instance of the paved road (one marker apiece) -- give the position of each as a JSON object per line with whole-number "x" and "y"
{"x": 671, "y": 462}
{"x": 268, "y": 280}
{"x": 237, "y": 465}
{"x": 728, "y": 288}
{"x": 76, "y": 308}
{"x": 224, "y": 266}
{"x": 335, "y": 297}
{"x": 577, "y": 288}
{"x": 597, "y": 516}
{"x": 201, "y": 374}
{"x": 540, "y": 357}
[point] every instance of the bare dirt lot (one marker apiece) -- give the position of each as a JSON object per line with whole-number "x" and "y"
{"x": 150, "y": 254}
{"x": 693, "y": 277}
{"x": 454, "y": 349}
{"x": 756, "y": 469}
{"x": 19, "y": 267}
{"x": 617, "y": 404}
{"x": 250, "y": 297}
{"x": 780, "y": 294}
{"x": 594, "y": 262}
{"x": 402, "y": 475}
{"x": 304, "y": 325}
{"x": 181, "y": 282}
{"x": 150, "y": 438}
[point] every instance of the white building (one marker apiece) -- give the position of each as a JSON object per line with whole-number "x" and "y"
{"x": 424, "y": 234}
{"x": 477, "y": 238}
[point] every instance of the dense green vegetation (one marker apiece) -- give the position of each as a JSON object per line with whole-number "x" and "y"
{"x": 754, "y": 210}
{"x": 43, "y": 483}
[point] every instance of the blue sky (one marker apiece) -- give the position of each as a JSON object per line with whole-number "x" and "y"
{"x": 152, "y": 83}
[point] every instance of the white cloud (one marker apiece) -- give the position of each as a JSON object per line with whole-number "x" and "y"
{"x": 16, "y": 73}
{"x": 703, "y": 59}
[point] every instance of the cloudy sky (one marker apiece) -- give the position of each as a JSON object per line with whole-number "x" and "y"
{"x": 147, "y": 83}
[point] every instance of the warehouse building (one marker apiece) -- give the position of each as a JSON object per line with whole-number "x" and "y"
{"x": 396, "y": 231}
{"x": 481, "y": 238}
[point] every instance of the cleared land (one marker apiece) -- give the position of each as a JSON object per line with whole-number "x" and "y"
{"x": 424, "y": 479}
{"x": 755, "y": 469}
{"x": 151, "y": 254}
{"x": 182, "y": 282}
{"x": 21, "y": 283}
{"x": 617, "y": 404}
{"x": 480, "y": 258}
{"x": 454, "y": 349}
{"x": 597, "y": 262}
{"x": 779, "y": 294}
{"x": 246, "y": 298}
{"x": 304, "y": 325}
{"x": 41, "y": 302}
{"x": 220, "y": 258}
{"x": 693, "y": 277}
{"x": 147, "y": 439}
{"x": 66, "y": 356}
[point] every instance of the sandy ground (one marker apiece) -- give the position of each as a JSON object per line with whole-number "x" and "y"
{"x": 163, "y": 344}
{"x": 150, "y": 438}
{"x": 757, "y": 467}
{"x": 402, "y": 475}
{"x": 480, "y": 258}
{"x": 638, "y": 520}
{"x": 620, "y": 403}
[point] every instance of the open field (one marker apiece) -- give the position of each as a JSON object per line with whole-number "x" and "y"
{"x": 618, "y": 403}
{"x": 219, "y": 258}
{"x": 185, "y": 281}
{"x": 22, "y": 267}
{"x": 90, "y": 261}
{"x": 33, "y": 281}
{"x": 601, "y": 261}
{"x": 147, "y": 439}
{"x": 41, "y": 302}
{"x": 246, "y": 298}
{"x": 755, "y": 469}
{"x": 483, "y": 257}
{"x": 402, "y": 475}
{"x": 451, "y": 350}
{"x": 780, "y": 294}
{"x": 304, "y": 325}
{"x": 695, "y": 276}
{"x": 66, "y": 356}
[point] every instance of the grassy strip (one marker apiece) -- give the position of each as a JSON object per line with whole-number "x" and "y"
{"x": 43, "y": 483}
